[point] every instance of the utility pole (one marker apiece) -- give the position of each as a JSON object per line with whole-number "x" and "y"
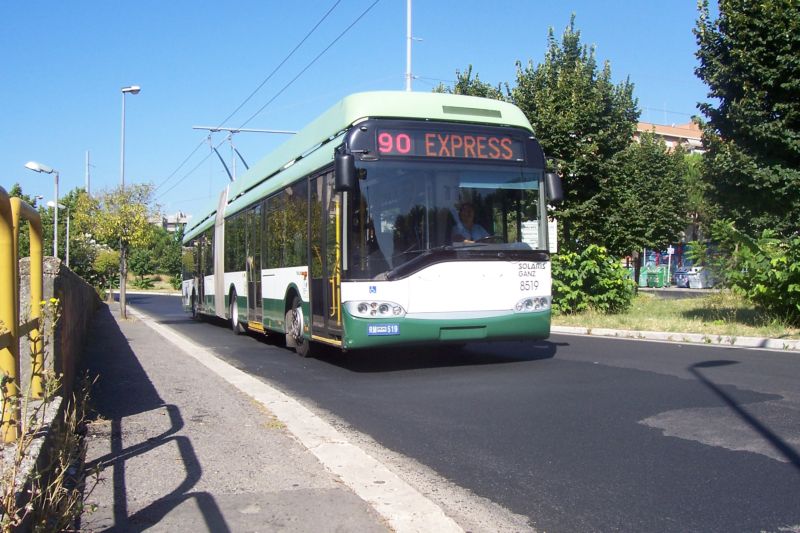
{"x": 408, "y": 45}
{"x": 88, "y": 178}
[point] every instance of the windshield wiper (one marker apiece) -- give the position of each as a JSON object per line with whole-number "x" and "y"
{"x": 424, "y": 254}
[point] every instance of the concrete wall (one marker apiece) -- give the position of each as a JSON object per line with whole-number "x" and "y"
{"x": 78, "y": 304}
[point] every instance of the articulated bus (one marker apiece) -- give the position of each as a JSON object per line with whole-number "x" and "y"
{"x": 395, "y": 218}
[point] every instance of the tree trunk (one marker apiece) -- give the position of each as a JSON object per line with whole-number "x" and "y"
{"x": 123, "y": 279}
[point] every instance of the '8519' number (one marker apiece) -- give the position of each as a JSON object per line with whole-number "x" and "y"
{"x": 528, "y": 285}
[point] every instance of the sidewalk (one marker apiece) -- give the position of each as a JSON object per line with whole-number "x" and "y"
{"x": 180, "y": 449}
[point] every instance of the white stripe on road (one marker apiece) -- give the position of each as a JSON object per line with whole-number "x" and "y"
{"x": 403, "y": 507}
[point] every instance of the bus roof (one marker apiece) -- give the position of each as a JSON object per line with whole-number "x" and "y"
{"x": 350, "y": 110}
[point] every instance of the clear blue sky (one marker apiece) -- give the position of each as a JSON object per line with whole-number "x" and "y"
{"x": 64, "y": 64}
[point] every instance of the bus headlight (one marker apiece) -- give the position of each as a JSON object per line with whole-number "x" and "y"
{"x": 375, "y": 309}
{"x": 532, "y": 303}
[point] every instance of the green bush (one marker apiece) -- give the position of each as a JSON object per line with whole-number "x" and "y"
{"x": 766, "y": 270}
{"x": 590, "y": 280}
{"x": 143, "y": 283}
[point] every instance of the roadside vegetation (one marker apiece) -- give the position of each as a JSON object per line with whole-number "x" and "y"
{"x": 716, "y": 313}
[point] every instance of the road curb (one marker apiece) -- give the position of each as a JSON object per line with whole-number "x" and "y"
{"x": 763, "y": 343}
{"x": 404, "y": 508}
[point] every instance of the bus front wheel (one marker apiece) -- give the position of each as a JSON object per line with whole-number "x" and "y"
{"x": 294, "y": 329}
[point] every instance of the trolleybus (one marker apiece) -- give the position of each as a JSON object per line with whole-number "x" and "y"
{"x": 394, "y": 218}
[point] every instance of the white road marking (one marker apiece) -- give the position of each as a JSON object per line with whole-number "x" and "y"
{"x": 404, "y": 508}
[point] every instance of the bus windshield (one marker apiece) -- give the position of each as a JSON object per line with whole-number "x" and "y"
{"x": 403, "y": 209}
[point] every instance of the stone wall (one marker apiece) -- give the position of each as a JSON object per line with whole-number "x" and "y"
{"x": 78, "y": 304}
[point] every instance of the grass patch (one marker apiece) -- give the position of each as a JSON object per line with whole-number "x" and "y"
{"x": 718, "y": 313}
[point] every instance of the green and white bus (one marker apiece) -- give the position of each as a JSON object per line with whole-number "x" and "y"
{"x": 351, "y": 233}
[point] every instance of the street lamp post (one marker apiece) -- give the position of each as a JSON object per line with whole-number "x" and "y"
{"x": 62, "y": 206}
{"x": 132, "y": 89}
{"x": 38, "y": 167}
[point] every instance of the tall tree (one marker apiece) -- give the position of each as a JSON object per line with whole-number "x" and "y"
{"x": 582, "y": 119}
{"x": 750, "y": 60}
{"x": 647, "y": 192}
{"x": 466, "y": 84}
{"x": 120, "y": 218}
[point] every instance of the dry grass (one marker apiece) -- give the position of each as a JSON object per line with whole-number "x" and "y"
{"x": 718, "y": 313}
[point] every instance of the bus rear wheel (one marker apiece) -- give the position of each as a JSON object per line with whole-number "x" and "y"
{"x": 294, "y": 329}
{"x": 234, "y": 314}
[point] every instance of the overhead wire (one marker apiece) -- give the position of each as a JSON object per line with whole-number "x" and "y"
{"x": 308, "y": 66}
{"x": 325, "y": 16}
{"x": 193, "y": 169}
{"x": 249, "y": 97}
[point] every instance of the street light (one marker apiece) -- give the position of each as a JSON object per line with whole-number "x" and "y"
{"x": 62, "y": 206}
{"x": 38, "y": 167}
{"x": 133, "y": 89}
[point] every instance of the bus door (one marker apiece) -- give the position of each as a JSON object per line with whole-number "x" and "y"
{"x": 325, "y": 257}
{"x": 253, "y": 265}
{"x": 199, "y": 274}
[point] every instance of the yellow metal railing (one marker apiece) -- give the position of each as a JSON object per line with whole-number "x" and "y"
{"x": 12, "y": 211}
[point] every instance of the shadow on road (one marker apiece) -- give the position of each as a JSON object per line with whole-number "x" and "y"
{"x": 774, "y": 440}
{"x": 416, "y": 357}
{"x": 408, "y": 357}
{"x": 123, "y": 389}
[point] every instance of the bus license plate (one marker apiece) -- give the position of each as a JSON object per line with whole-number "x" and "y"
{"x": 383, "y": 329}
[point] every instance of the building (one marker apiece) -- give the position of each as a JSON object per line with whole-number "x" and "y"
{"x": 687, "y": 135}
{"x": 171, "y": 223}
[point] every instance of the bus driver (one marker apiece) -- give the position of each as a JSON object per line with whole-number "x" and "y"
{"x": 466, "y": 230}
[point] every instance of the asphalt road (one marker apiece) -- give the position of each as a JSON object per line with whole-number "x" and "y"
{"x": 576, "y": 433}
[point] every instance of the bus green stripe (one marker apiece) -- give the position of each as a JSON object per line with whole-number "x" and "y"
{"x": 514, "y": 326}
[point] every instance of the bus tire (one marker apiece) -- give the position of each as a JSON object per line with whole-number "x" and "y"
{"x": 236, "y": 327}
{"x": 295, "y": 322}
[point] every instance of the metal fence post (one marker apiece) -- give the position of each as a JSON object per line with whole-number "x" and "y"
{"x": 9, "y": 345}
{"x": 22, "y": 211}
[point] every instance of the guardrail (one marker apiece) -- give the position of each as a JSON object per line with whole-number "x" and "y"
{"x": 12, "y": 211}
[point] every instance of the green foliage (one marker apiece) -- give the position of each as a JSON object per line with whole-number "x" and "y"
{"x": 591, "y": 279}
{"x": 646, "y": 197}
{"x": 466, "y": 84}
{"x": 105, "y": 266}
{"x": 118, "y": 217}
{"x": 766, "y": 270}
{"x": 582, "y": 120}
{"x": 142, "y": 262}
{"x": 143, "y": 283}
{"x": 749, "y": 60}
{"x": 176, "y": 281}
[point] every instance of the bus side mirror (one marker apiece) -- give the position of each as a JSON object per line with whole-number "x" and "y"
{"x": 345, "y": 178}
{"x": 555, "y": 192}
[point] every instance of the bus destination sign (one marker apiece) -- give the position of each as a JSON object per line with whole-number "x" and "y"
{"x": 449, "y": 144}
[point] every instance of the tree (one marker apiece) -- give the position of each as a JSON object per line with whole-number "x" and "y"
{"x": 105, "y": 265}
{"x": 699, "y": 208}
{"x": 466, "y": 84}
{"x": 647, "y": 190}
{"x": 581, "y": 120}
{"x": 142, "y": 262}
{"x": 167, "y": 251}
{"x": 118, "y": 217}
{"x": 24, "y": 248}
{"x": 750, "y": 60}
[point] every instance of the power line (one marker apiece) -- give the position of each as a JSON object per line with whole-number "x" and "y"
{"x": 181, "y": 165}
{"x": 271, "y": 74}
{"x": 254, "y": 115}
{"x": 282, "y": 62}
{"x": 191, "y": 171}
